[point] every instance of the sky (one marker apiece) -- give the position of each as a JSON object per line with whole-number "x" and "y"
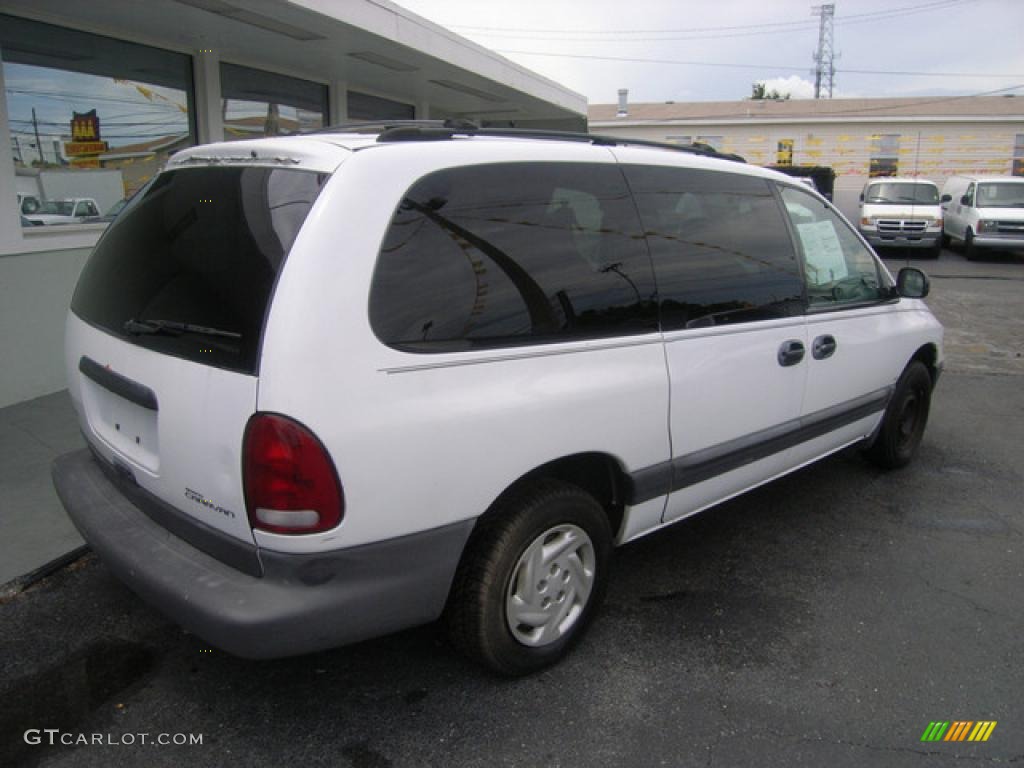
{"x": 713, "y": 50}
{"x": 127, "y": 116}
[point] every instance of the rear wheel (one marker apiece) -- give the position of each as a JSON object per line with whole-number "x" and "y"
{"x": 533, "y": 574}
{"x": 905, "y": 419}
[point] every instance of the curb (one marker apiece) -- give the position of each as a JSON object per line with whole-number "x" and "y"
{"x": 21, "y": 583}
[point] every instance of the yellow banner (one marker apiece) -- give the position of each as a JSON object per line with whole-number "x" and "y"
{"x": 84, "y": 147}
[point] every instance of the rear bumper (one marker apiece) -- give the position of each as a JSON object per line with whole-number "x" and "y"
{"x": 301, "y": 603}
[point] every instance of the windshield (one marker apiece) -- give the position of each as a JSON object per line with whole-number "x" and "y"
{"x": 889, "y": 193}
{"x": 1001, "y": 195}
{"x": 196, "y": 251}
{"x": 59, "y": 207}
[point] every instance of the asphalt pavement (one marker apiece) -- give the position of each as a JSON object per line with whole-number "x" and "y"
{"x": 824, "y": 619}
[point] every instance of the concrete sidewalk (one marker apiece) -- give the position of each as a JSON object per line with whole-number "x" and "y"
{"x": 34, "y": 529}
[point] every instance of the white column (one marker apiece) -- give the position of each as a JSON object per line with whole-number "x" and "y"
{"x": 422, "y": 109}
{"x": 206, "y": 68}
{"x": 10, "y": 221}
{"x": 337, "y": 95}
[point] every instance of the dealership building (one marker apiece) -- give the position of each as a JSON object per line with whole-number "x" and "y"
{"x": 932, "y": 138}
{"x": 99, "y": 94}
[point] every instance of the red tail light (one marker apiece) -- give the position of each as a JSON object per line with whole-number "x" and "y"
{"x": 290, "y": 482}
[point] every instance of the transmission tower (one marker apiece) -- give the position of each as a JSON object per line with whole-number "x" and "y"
{"x": 823, "y": 64}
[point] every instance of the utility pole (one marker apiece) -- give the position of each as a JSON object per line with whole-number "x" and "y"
{"x": 39, "y": 144}
{"x": 823, "y": 67}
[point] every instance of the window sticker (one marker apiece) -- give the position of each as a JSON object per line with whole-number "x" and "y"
{"x": 823, "y": 252}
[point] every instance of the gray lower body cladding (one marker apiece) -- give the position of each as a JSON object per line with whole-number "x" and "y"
{"x": 301, "y": 603}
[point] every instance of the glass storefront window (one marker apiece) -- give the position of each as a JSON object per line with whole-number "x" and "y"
{"x": 91, "y": 118}
{"x": 363, "y": 106}
{"x": 257, "y": 103}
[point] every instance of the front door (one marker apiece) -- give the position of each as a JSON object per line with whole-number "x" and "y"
{"x": 854, "y": 330}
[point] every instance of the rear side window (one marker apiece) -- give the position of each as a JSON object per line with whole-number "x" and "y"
{"x": 721, "y": 250}
{"x": 512, "y": 253}
{"x": 188, "y": 266}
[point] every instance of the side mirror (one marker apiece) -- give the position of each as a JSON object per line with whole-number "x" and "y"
{"x": 945, "y": 198}
{"x": 912, "y": 283}
{"x": 862, "y": 197}
{"x": 965, "y": 200}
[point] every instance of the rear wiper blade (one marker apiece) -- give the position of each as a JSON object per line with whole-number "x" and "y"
{"x": 173, "y": 327}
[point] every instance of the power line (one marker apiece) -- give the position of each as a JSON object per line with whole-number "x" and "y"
{"x": 798, "y": 25}
{"x": 733, "y": 65}
{"x": 105, "y": 123}
{"x": 70, "y": 96}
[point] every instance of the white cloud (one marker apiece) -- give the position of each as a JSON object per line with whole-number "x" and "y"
{"x": 794, "y": 85}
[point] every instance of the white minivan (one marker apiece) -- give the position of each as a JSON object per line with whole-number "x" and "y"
{"x": 983, "y": 212}
{"x": 902, "y": 213}
{"x": 341, "y": 384}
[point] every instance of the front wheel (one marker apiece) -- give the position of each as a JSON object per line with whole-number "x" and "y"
{"x": 905, "y": 419}
{"x": 532, "y": 576}
{"x": 970, "y": 249}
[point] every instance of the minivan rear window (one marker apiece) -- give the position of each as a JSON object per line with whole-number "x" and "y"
{"x": 188, "y": 266}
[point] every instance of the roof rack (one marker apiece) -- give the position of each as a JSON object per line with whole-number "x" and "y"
{"x": 441, "y": 130}
{"x": 375, "y": 126}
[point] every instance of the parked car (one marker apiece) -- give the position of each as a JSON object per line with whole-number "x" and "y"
{"x": 316, "y": 415}
{"x": 902, "y": 213}
{"x": 109, "y": 216}
{"x": 983, "y": 212}
{"x": 73, "y": 210}
{"x": 822, "y": 176}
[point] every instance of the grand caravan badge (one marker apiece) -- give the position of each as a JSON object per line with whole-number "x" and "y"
{"x": 199, "y": 498}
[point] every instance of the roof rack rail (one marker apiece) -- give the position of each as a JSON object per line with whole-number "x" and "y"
{"x": 440, "y": 130}
{"x": 375, "y": 126}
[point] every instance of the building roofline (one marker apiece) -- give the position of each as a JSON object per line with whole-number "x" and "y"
{"x": 623, "y": 123}
{"x": 572, "y": 100}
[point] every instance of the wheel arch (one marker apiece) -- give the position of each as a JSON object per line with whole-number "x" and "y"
{"x": 599, "y": 474}
{"x": 928, "y": 354}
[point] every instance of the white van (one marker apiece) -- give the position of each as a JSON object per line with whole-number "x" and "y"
{"x": 902, "y": 213}
{"x": 983, "y": 212}
{"x": 341, "y": 384}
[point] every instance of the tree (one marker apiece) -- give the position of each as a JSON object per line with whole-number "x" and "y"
{"x": 759, "y": 91}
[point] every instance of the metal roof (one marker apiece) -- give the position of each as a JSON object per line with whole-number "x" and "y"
{"x": 798, "y": 110}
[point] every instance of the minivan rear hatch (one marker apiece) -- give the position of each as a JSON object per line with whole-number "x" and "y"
{"x": 163, "y": 337}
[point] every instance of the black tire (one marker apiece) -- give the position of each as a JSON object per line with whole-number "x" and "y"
{"x": 936, "y": 251}
{"x": 477, "y": 613}
{"x": 970, "y": 249}
{"x": 905, "y": 419}
{"x": 944, "y": 241}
